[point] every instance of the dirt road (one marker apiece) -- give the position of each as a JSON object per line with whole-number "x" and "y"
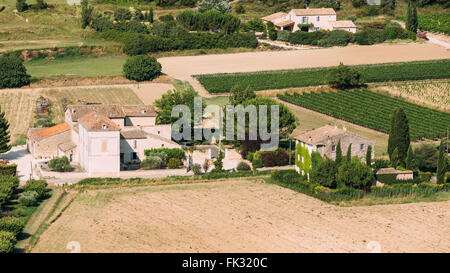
{"x": 241, "y": 216}
{"x": 183, "y": 67}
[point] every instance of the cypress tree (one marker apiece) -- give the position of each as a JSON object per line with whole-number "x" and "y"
{"x": 21, "y": 5}
{"x": 395, "y": 160}
{"x": 151, "y": 15}
{"x": 338, "y": 153}
{"x": 349, "y": 153}
{"x": 86, "y": 14}
{"x": 369, "y": 156}
{"x": 399, "y": 136}
{"x": 411, "y": 17}
{"x": 441, "y": 165}
{"x": 411, "y": 163}
{"x": 4, "y": 133}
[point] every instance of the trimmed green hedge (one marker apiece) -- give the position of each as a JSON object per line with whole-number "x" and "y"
{"x": 222, "y": 83}
{"x": 12, "y": 224}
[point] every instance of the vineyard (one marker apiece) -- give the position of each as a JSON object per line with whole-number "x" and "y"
{"x": 222, "y": 83}
{"x": 373, "y": 110}
{"x": 433, "y": 22}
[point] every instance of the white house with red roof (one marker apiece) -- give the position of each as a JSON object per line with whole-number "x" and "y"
{"x": 102, "y": 139}
{"x": 309, "y": 20}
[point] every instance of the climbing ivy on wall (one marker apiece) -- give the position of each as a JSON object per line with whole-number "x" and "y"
{"x": 302, "y": 158}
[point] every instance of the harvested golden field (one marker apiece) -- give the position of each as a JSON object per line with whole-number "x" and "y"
{"x": 20, "y": 104}
{"x": 240, "y": 216}
{"x": 433, "y": 93}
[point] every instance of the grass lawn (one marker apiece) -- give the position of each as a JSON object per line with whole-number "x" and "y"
{"x": 76, "y": 67}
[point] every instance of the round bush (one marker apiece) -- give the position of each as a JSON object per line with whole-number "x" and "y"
{"x": 11, "y": 224}
{"x": 12, "y": 72}
{"x": 242, "y": 166}
{"x": 174, "y": 163}
{"x": 257, "y": 163}
{"x": 29, "y": 198}
{"x": 60, "y": 164}
{"x": 38, "y": 186}
{"x": 7, "y": 242}
{"x": 151, "y": 162}
{"x": 141, "y": 68}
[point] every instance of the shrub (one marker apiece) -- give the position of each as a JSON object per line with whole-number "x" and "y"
{"x": 257, "y": 163}
{"x": 174, "y": 163}
{"x": 337, "y": 38}
{"x": 281, "y": 157}
{"x": 60, "y": 164}
{"x": 8, "y": 184}
{"x": 197, "y": 169}
{"x": 12, "y": 224}
{"x": 7, "y": 242}
{"x": 170, "y": 152}
{"x": 344, "y": 77}
{"x": 256, "y": 24}
{"x": 12, "y": 72}
{"x": 122, "y": 14}
{"x": 370, "y": 36}
{"x": 8, "y": 169}
{"x": 29, "y": 198}
{"x": 283, "y": 35}
{"x": 249, "y": 156}
{"x": 242, "y": 166}
{"x": 354, "y": 174}
{"x": 151, "y": 162}
{"x": 141, "y": 68}
{"x": 359, "y": 3}
{"x": 268, "y": 159}
{"x": 38, "y": 186}
{"x": 163, "y": 156}
{"x": 132, "y": 26}
{"x": 325, "y": 173}
{"x": 381, "y": 163}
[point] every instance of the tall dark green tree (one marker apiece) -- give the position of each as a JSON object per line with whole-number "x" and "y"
{"x": 86, "y": 14}
{"x": 4, "y": 133}
{"x": 441, "y": 165}
{"x": 338, "y": 153}
{"x": 349, "y": 152}
{"x": 395, "y": 160}
{"x": 369, "y": 156}
{"x": 411, "y": 162}
{"x": 151, "y": 15}
{"x": 411, "y": 17}
{"x": 399, "y": 136}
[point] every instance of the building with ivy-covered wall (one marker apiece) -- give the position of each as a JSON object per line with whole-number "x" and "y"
{"x": 324, "y": 141}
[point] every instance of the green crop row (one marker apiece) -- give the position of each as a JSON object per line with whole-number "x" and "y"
{"x": 222, "y": 83}
{"x": 373, "y": 110}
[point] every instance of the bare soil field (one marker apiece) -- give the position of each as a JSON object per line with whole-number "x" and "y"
{"x": 240, "y": 216}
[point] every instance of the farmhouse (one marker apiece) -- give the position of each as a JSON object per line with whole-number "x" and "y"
{"x": 325, "y": 139}
{"x": 309, "y": 20}
{"x": 101, "y": 139}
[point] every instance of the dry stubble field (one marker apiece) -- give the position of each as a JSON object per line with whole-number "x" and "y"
{"x": 240, "y": 216}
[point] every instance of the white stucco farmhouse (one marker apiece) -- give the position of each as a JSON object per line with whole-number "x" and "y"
{"x": 101, "y": 139}
{"x": 309, "y": 20}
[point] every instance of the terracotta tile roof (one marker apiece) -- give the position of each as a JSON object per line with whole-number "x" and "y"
{"x": 274, "y": 16}
{"x": 306, "y": 12}
{"x": 97, "y": 122}
{"x": 320, "y": 135}
{"x": 139, "y": 110}
{"x": 107, "y": 110}
{"x": 285, "y": 23}
{"x": 38, "y": 135}
{"x": 342, "y": 24}
{"x": 132, "y": 134}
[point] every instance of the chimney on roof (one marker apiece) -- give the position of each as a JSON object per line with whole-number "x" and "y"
{"x": 326, "y": 134}
{"x": 310, "y": 138}
{"x": 104, "y": 126}
{"x": 344, "y": 128}
{"x": 143, "y": 111}
{"x": 335, "y": 126}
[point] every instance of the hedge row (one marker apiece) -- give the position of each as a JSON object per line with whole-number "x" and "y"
{"x": 419, "y": 70}
{"x": 8, "y": 169}
{"x": 292, "y": 180}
